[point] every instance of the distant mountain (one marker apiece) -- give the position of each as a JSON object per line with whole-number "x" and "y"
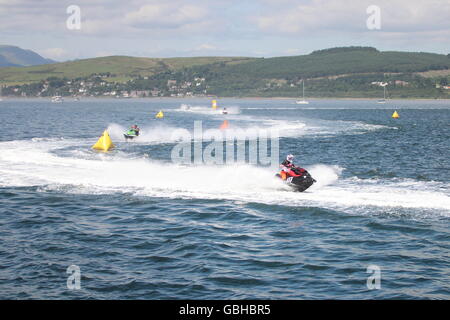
{"x": 5, "y": 63}
{"x": 11, "y": 56}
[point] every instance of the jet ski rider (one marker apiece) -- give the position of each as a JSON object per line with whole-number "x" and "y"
{"x": 289, "y": 169}
{"x": 135, "y": 128}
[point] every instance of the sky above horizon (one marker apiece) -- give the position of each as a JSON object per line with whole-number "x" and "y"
{"x": 257, "y": 28}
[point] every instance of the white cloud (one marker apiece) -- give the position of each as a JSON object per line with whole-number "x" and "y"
{"x": 104, "y": 54}
{"x": 206, "y": 46}
{"x": 312, "y": 16}
{"x": 166, "y": 15}
{"x": 294, "y": 51}
{"x": 316, "y": 16}
{"x": 53, "y": 53}
{"x": 104, "y": 17}
{"x": 269, "y": 27}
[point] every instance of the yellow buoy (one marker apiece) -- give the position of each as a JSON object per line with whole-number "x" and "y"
{"x": 160, "y": 114}
{"x": 104, "y": 143}
{"x": 214, "y": 104}
{"x": 395, "y": 115}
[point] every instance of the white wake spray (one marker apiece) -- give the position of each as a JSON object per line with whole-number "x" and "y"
{"x": 35, "y": 163}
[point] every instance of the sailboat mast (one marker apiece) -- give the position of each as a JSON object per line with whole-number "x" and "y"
{"x": 303, "y": 101}
{"x": 303, "y": 89}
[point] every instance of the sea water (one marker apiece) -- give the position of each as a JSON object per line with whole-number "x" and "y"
{"x": 137, "y": 226}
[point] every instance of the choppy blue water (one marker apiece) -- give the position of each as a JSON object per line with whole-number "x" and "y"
{"x": 140, "y": 227}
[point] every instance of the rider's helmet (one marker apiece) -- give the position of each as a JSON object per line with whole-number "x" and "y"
{"x": 290, "y": 158}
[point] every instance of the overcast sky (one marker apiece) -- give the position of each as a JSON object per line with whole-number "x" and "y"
{"x": 262, "y": 28}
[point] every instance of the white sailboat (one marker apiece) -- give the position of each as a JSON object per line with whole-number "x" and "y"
{"x": 303, "y": 101}
{"x": 382, "y": 101}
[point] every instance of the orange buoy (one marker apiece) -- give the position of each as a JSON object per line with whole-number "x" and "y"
{"x": 224, "y": 125}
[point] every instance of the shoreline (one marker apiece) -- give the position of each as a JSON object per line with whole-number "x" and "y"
{"x": 70, "y": 99}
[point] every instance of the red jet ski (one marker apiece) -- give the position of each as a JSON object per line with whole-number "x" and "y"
{"x": 298, "y": 178}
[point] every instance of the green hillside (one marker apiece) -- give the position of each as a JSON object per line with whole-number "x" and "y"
{"x": 337, "y": 61}
{"x": 338, "y": 72}
{"x": 345, "y": 72}
{"x": 122, "y": 68}
{"x": 343, "y": 61}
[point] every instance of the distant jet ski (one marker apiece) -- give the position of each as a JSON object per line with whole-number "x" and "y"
{"x": 224, "y": 111}
{"x": 132, "y": 133}
{"x": 300, "y": 182}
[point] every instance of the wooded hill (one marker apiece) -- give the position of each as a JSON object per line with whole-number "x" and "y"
{"x": 342, "y": 72}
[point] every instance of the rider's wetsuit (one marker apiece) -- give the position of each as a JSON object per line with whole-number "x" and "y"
{"x": 288, "y": 169}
